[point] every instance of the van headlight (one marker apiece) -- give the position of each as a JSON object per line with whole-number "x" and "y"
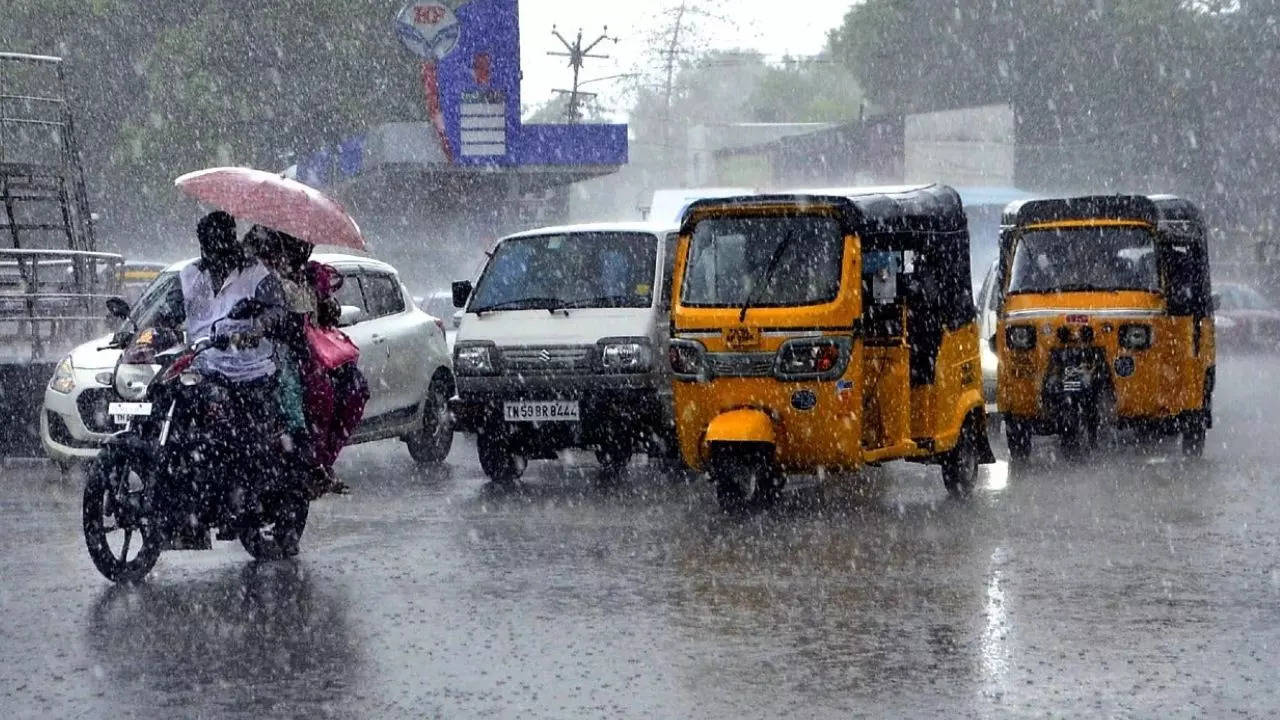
{"x": 1135, "y": 336}
{"x": 818, "y": 358}
{"x": 1020, "y": 337}
{"x": 64, "y": 377}
{"x": 626, "y": 354}
{"x": 475, "y": 358}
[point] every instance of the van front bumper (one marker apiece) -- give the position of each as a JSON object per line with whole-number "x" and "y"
{"x": 637, "y": 405}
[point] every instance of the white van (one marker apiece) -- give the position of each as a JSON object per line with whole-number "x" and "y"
{"x": 563, "y": 344}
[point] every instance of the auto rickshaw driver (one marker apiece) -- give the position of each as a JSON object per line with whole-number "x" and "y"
{"x": 825, "y": 331}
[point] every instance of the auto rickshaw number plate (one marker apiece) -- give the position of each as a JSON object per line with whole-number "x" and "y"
{"x": 742, "y": 338}
{"x": 1078, "y": 319}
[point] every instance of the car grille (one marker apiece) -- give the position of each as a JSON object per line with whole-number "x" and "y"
{"x": 547, "y": 359}
{"x": 725, "y": 364}
{"x": 92, "y": 405}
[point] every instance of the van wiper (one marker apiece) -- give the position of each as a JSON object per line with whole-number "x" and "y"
{"x": 549, "y": 304}
{"x": 600, "y": 301}
{"x": 759, "y": 286}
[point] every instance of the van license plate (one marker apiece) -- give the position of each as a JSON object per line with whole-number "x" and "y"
{"x": 541, "y": 411}
{"x": 122, "y": 411}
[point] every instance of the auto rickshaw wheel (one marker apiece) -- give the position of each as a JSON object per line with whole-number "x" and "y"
{"x": 1079, "y": 433}
{"x": 960, "y": 466}
{"x": 744, "y": 477}
{"x": 1017, "y": 435}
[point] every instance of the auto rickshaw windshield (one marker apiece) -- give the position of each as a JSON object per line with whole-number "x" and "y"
{"x": 1085, "y": 258}
{"x": 764, "y": 261}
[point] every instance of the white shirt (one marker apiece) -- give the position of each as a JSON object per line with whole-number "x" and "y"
{"x": 206, "y": 308}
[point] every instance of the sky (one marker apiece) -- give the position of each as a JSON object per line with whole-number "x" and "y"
{"x": 774, "y": 27}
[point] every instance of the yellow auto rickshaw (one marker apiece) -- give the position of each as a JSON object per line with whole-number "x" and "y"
{"x": 1105, "y": 321}
{"x": 825, "y": 331}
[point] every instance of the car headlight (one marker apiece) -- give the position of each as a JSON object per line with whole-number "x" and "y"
{"x": 1020, "y": 337}
{"x": 626, "y": 354}
{"x": 819, "y": 358}
{"x": 64, "y": 377}
{"x": 688, "y": 359}
{"x": 1135, "y": 336}
{"x": 475, "y": 359}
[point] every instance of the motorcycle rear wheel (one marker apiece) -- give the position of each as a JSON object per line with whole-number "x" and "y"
{"x": 279, "y": 537}
{"x": 114, "y": 502}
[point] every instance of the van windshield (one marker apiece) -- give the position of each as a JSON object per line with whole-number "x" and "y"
{"x": 763, "y": 262}
{"x": 1085, "y": 258}
{"x": 570, "y": 270}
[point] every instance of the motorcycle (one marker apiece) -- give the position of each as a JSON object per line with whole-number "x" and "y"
{"x": 172, "y": 476}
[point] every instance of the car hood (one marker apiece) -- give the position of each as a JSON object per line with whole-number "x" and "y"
{"x": 95, "y": 355}
{"x": 539, "y": 327}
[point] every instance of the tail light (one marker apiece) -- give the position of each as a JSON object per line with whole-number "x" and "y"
{"x": 440, "y": 324}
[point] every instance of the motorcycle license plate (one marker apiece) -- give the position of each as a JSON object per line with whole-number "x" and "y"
{"x": 541, "y": 411}
{"x": 121, "y": 412}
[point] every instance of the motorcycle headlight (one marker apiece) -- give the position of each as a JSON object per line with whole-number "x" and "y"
{"x": 1135, "y": 336}
{"x": 821, "y": 358}
{"x": 626, "y": 354}
{"x": 475, "y": 359}
{"x": 64, "y": 377}
{"x": 1020, "y": 337}
{"x": 688, "y": 359}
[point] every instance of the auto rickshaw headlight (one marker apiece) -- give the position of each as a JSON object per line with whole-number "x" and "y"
{"x": 1135, "y": 336}
{"x": 819, "y": 358}
{"x": 1020, "y": 337}
{"x": 688, "y": 359}
{"x": 626, "y": 354}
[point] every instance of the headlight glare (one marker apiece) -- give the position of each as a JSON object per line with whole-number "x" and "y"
{"x": 474, "y": 360}
{"x": 64, "y": 377}
{"x": 1020, "y": 337}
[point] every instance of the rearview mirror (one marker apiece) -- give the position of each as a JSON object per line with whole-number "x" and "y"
{"x": 991, "y": 342}
{"x": 117, "y": 308}
{"x": 461, "y": 293}
{"x": 349, "y": 315}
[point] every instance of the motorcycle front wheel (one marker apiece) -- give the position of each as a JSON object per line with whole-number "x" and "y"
{"x": 116, "y": 519}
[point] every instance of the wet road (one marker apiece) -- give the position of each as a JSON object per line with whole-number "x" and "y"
{"x": 1131, "y": 585}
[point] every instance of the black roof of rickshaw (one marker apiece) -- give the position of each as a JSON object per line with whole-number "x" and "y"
{"x": 929, "y": 208}
{"x": 1168, "y": 212}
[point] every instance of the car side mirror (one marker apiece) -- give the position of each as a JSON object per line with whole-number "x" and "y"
{"x": 991, "y": 342}
{"x": 349, "y": 315}
{"x": 461, "y": 293}
{"x": 118, "y": 308}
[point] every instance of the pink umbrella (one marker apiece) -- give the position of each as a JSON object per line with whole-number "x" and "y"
{"x": 274, "y": 201}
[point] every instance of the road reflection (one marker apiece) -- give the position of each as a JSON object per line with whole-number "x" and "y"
{"x": 250, "y": 641}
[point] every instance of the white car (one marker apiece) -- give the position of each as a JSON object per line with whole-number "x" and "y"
{"x": 987, "y": 317}
{"x": 439, "y": 304}
{"x": 403, "y": 355}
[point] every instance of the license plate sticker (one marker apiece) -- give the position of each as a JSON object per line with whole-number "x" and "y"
{"x": 541, "y": 411}
{"x": 122, "y": 411}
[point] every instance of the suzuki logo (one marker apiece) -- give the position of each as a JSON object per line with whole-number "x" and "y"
{"x": 545, "y": 355}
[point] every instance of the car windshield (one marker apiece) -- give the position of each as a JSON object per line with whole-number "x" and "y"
{"x": 569, "y": 270}
{"x": 153, "y": 301}
{"x": 1084, "y": 258}
{"x": 769, "y": 261}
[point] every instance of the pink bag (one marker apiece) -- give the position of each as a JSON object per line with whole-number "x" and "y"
{"x": 330, "y": 347}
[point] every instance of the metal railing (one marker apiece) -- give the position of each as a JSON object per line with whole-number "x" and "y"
{"x": 52, "y": 299}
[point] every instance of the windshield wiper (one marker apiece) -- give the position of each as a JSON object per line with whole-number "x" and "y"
{"x": 549, "y": 304}
{"x": 763, "y": 280}
{"x": 599, "y": 301}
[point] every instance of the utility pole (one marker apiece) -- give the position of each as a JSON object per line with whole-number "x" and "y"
{"x": 577, "y": 54}
{"x": 671, "y": 56}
